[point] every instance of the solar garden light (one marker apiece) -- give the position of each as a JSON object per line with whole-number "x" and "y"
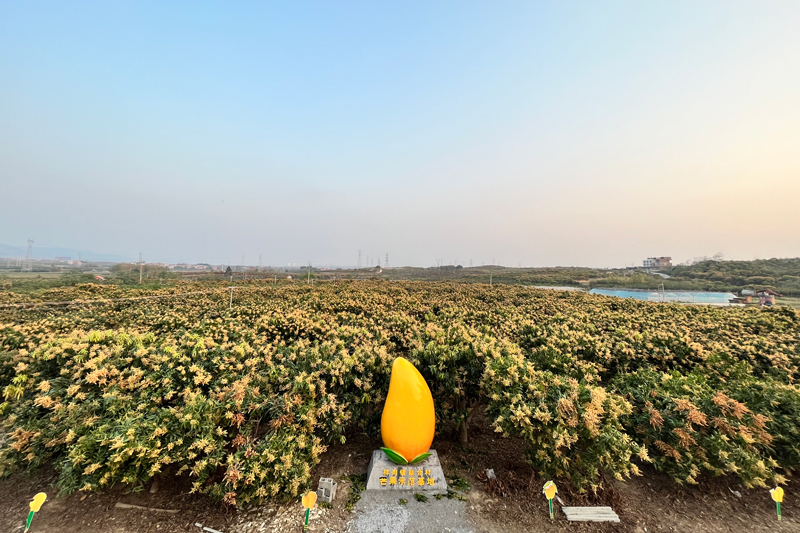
{"x": 36, "y": 504}
{"x": 309, "y": 499}
{"x": 777, "y": 495}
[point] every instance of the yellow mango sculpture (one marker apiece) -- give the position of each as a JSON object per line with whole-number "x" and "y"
{"x": 408, "y": 421}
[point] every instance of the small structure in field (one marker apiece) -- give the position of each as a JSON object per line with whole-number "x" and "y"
{"x": 767, "y": 296}
{"x": 327, "y": 489}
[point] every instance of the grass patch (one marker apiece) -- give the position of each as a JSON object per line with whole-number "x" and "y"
{"x": 403, "y": 501}
{"x": 420, "y": 497}
{"x": 459, "y": 484}
{"x": 453, "y": 495}
{"x": 357, "y": 485}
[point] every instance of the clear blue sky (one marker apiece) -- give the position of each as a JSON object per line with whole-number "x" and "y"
{"x": 540, "y": 133}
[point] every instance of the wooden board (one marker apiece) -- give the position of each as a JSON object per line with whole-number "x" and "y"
{"x": 590, "y": 514}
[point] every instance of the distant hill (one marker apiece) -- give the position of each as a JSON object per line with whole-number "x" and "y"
{"x": 45, "y": 252}
{"x": 781, "y": 275}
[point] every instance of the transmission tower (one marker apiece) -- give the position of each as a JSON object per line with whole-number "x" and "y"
{"x": 359, "y": 259}
{"x": 386, "y": 263}
{"x": 29, "y": 255}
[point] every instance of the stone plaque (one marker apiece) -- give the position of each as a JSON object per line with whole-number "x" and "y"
{"x": 426, "y": 476}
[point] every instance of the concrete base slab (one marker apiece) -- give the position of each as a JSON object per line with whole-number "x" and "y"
{"x": 425, "y": 477}
{"x": 380, "y": 511}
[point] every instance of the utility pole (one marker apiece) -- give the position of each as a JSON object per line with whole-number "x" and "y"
{"x": 359, "y": 259}
{"x": 141, "y": 268}
{"x": 386, "y": 263}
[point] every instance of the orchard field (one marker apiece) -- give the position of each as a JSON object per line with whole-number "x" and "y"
{"x": 123, "y": 385}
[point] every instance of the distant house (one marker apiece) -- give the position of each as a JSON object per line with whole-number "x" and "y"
{"x": 657, "y": 262}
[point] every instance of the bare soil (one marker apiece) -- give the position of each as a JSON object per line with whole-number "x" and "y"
{"x": 650, "y": 503}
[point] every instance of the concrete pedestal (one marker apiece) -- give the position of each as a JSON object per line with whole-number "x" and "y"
{"x": 425, "y": 477}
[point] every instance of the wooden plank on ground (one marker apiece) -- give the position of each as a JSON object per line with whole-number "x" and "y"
{"x": 590, "y": 514}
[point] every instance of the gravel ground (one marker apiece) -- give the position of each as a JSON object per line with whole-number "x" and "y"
{"x": 381, "y": 512}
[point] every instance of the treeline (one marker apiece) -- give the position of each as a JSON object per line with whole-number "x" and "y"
{"x": 128, "y": 273}
{"x": 780, "y": 275}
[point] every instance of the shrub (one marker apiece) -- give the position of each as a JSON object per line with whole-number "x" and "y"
{"x": 572, "y": 428}
{"x": 117, "y": 408}
{"x": 451, "y": 358}
{"x": 691, "y": 429}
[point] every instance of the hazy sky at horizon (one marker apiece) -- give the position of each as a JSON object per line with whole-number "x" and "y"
{"x": 540, "y": 133}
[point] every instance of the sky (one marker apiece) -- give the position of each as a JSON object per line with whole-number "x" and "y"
{"x": 519, "y": 133}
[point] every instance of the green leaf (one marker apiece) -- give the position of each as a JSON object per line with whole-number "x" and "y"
{"x": 421, "y": 457}
{"x": 395, "y": 457}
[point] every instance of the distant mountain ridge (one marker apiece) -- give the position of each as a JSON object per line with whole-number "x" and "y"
{"x": 46, "y": 252}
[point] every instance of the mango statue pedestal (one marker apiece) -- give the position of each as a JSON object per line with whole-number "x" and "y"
{"x": 426, "y": 476}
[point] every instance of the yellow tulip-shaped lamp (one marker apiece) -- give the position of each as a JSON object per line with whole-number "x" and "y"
{"x": 35, "y": 505}
{"x": 549, "y": 491}
{"x": 777, "y": 495}
{"x": 408, "y": 421}
{"x": 309, "y": 499}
